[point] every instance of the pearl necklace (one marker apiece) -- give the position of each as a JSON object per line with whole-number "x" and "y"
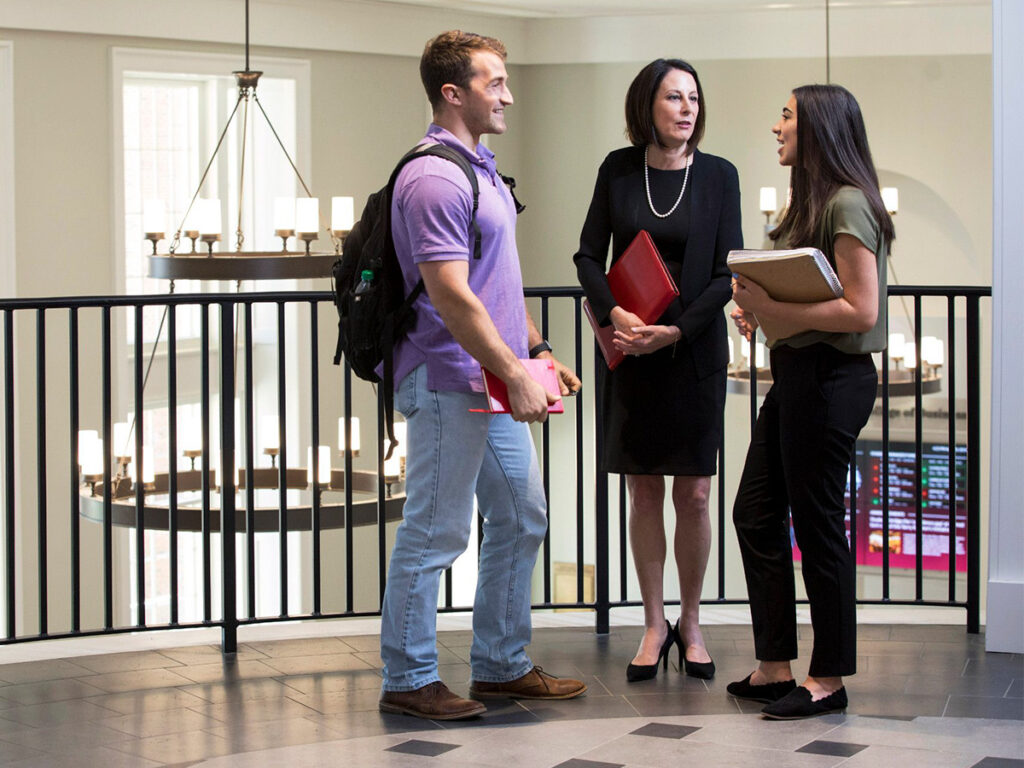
{"x": 647, "y": 186}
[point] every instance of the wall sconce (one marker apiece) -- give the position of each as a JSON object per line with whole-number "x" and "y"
{"x": 891, "y": 200}
{"x": 769, "y": 205}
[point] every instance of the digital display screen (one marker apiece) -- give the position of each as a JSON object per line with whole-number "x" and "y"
{"x": 937, "y": 494}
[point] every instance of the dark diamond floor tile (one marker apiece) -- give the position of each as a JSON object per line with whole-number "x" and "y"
{"x": 423, "y": 748}
{"x": 833, "y": 748}
{"x": 985, "y": 706}
{"x": 665, "y": 730}
{"x": 577, "y": 763}
{"x": 999, "y": 762}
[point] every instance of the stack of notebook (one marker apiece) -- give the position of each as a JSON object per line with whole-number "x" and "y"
{"x": 800, "y": 275}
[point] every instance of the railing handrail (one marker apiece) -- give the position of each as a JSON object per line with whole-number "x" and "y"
{"x": 259, "y": 297}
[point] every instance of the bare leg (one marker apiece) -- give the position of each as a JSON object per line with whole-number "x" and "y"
{"x": 771, "y": 672}
{"x": 692, "y": 546}
{"x": 647, "y": 541}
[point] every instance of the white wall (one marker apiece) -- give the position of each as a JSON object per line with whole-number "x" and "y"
{"x": 1005, "y": 626}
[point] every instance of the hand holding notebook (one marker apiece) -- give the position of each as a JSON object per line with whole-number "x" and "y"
{"x": 541, "y": 370}
{"x": 800, "y": 275}
{"x": 641, "y": 284}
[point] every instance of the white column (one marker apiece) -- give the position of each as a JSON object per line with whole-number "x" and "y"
{"x": 1005, "y": 610}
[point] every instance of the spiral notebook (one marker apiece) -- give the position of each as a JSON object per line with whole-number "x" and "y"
{"x": 641, "y": 284}
{"x": 800, "y": 275}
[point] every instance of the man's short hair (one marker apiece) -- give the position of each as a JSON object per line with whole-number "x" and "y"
{"x": 448, "y": 59}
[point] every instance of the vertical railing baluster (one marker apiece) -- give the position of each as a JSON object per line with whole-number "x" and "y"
{"x": 250, "y": 474}
{"x": 76, "y": 499}
{"x": 282, "y": 471}
{"x": 918, "y": 455}
{"x": 172, "y": 455}
{"x": 720, "y": 544}
{"x": 546, "y": 469}
{"x": 140, "y": 494}
{"x": 108, "y": 506}
{"x": 314, "y": 375}
{"x": 602, "y": 605}
{"x": 41, "y": 468}
{"x": 207, "y": 462}
{"x": 951, "y": 439}
{"x": 885, "y": 464}
{"x": 229, "y": 587}
{"x": 11, "y": 576}
{"x": 973, "y": 465}
{"x": 623, "y": 507}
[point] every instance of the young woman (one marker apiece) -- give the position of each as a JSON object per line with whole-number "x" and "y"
{"x": 823, "y": 392}
{"x": 662, "y": 406}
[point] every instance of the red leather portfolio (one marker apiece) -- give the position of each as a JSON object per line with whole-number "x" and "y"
{"x": 542, "y": 371}
{"x": 641, "y": 284}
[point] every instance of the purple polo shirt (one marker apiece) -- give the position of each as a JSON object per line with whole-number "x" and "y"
{"x": 431, "y": 212}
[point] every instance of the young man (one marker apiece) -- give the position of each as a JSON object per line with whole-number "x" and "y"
{"x": 472, "y": 313}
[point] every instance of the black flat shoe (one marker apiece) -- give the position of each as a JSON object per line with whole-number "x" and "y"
{"x": 705, "y": 670}
{"x": 637, "y": 672}
{"x": 767, "y": 693}
{"x": 798, "y": 704}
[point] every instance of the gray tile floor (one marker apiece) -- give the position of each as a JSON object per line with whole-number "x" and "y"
{"x": 925, "y": 696}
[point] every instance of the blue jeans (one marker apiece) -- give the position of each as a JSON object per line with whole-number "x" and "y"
{"x": 453, "y": 455}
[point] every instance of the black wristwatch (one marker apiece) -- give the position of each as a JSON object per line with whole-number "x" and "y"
{"x": 542, "y": 347}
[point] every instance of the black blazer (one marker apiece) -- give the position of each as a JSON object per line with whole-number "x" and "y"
{"x": 619, "y": 210}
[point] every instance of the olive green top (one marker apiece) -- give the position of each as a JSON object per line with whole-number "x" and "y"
{"x": 848, "y": 212}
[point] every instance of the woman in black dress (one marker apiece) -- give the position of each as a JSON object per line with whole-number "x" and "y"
{"x": 662, "y": 407}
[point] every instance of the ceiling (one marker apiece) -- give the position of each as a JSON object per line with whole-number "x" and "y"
{"x": 584, "y": 8}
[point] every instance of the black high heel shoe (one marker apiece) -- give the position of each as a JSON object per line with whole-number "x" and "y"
{"x": 637, "y": 672}
{"x": 705, "y": 670}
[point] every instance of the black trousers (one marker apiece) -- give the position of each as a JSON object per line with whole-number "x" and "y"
{"x": 798, "y": 464}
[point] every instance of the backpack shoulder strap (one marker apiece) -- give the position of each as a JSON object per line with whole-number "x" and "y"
{"x": 453, "y": 156}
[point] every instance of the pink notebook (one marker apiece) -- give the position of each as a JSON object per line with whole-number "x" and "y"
{"x": 542, "y": 371}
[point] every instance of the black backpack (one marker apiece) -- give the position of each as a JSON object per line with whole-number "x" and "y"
{"x": 373, "y": 320}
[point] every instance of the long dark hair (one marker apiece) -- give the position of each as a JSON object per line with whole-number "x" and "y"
{"x": 831, "y": 151}
{"x": 640, "y": 102}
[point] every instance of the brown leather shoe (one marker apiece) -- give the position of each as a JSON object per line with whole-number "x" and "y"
{"x": 535, "y": 684}
{"x": 433, "y": 701}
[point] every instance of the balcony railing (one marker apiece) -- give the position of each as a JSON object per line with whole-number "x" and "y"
{"x": 79, "y": 553}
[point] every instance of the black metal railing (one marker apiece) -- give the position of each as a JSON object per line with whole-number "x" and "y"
{"x": 95, "y": 520}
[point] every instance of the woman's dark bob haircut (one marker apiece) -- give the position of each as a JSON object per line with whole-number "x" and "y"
{"x": 640, "y": 102}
